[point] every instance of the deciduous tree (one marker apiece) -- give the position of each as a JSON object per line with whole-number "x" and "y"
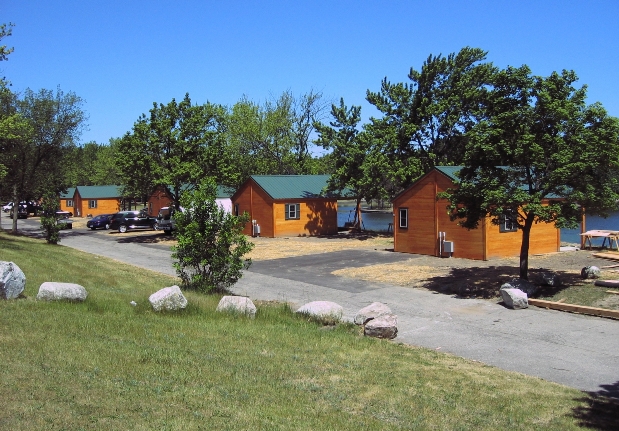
{"x": 540, "y": 155}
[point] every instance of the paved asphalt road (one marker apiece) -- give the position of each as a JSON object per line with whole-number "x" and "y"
{"x": 574, "y": 350}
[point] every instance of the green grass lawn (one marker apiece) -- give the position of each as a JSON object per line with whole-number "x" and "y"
{"x": 103, "y": 364}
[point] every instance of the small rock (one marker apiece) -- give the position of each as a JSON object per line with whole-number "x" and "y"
{"x": 385, "y": 326}
{"x": 372, "y": 311}
{"x": 12, "y": 280}
{"x": 54, "y": 291}
{"x": 589, "y": 272}
{"x": 323, "y": 310}
{"x": 133, "y": 303}
{"x": 514, "y": 298}
{"x": 551, "y": 279}
{"x": 168, "y": 298}
{"x": 237, "y": 304}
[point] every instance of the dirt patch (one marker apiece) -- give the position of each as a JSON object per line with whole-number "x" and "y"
{"x": 276, "y": 248}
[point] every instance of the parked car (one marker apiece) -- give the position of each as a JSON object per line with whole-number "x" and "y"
{"x": 7, "y": 207}
{"x": 128, "y": 220}
{"x": 63, "y": 220}
{"x": 22, "y": 211}
{"x": 102, "y": 221}
{"x": 165, "y": 221}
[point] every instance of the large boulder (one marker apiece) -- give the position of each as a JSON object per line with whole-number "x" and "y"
{"x": 12, "y": 280}
{"x": 370, "y": 312}
{"x": 168, "y": 298}
{"x": 54, "y": 291}
{"x": 237, "y": 304}
{"x": 589, "y": 272}
{"x": 323, "y": 310}
{"x": 518, "y": 283}
{"x": 515, "y": 298}
{"x": 385, "y": 326}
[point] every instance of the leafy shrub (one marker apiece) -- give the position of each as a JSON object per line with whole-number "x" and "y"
{"x": 211, "y": 244}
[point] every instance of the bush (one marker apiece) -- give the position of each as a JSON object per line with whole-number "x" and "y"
{"x": 211, "y": 244}
{"x": 49, "y": 223}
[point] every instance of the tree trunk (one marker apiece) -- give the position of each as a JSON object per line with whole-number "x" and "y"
{"x": 524, "y": 248}
{"x": 15, "y": 210}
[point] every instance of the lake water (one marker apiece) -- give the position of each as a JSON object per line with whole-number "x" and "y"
{"x": 380, "y": 221}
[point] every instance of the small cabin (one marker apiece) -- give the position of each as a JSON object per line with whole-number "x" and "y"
{"x": 422, "y": 225}
{"x": 286, "y": 205}
{"x": 83, "y": 201}
{"x": 161, "y": 197}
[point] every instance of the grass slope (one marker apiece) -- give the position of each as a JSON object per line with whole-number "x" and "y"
{"x": 103, "y": 364}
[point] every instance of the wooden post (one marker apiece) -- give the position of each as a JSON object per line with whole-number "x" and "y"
{"x": 583, "y": 228}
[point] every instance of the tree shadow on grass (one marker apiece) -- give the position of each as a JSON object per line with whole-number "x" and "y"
{"x": 599, "y": 410}
{"x": 485, "y": 282}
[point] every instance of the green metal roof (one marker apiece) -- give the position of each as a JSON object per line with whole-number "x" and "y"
{"x": 69, "y": 194}
{"x": 224, "y": 192}
{"x": 292, "y": 186}
{"x": 99, "y": 192}
{"x": 450, "y": 171}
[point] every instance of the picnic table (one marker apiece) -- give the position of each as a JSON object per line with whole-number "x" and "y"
{"x": 610, "y": 235}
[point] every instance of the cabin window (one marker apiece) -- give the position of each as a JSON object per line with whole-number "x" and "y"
{"x": 292, "y": 212}
{"x": 403, "y": 214}
{"x": 69, "y": 203}
{"x": 92, "y": 204}
{"x": 236, "y": 209}
{"x": 508, "y": 222}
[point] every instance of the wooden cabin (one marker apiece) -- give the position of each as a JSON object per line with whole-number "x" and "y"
{"x": 420, "y": 220}
{"x": 287, "y": 205}
{"x": 67, "y": 202}
{"x": 161, "y": 197}
{"x": 91, "y": 200}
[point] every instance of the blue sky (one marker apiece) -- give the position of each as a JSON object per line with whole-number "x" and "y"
{"x": 121, "y": 56}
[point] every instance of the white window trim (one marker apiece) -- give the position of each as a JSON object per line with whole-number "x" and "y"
{"x": 92, "y": 203}
{"x": 296, "y": 210}
{"x": 403, "y": 211}
{"x": 69, "y": 203}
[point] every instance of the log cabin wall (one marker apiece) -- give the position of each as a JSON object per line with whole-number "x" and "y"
{"x": 316, "y": 217}
{"x": 428, "y": 216}
{"x": 102, "y": 206}
{"x": 252, "y": 199}
{"x": 158, "y": 199}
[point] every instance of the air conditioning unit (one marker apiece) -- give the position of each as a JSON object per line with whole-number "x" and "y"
{"x": 448, "y": 246}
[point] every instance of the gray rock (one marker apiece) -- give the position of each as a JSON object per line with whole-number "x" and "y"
{"x": 372, "y": 311}
{"x": 385, "y": 326}
{"x": 323, "y": 310}
{"x": 12, "y": 280}
{"x": 54, "y": 291}
{"x": 515, "y": 298}
{"x": 237, "y": 304}
{"x": 168, "y": 298}
{"x": 589, "y": 272}
{"x": 551, "y": 278}
{"x": 518, "y": 283}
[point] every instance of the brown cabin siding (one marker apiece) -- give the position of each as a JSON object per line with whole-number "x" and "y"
{"x": 428, "y": 216}
{"x": 317, "y": 216}
{"x": 158, "y": 199}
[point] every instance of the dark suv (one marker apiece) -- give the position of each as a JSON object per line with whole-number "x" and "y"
{"x": 126, "y": 220}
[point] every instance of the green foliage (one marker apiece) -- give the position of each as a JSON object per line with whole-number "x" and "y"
{"x": 175, "y": 145}
{"x": 91, "y": 165}
{"x": 211, "y": 244}
{"x": 538, "y": 142}
{"x": 425, "y": 122}
{"x": 49, "y": 222}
